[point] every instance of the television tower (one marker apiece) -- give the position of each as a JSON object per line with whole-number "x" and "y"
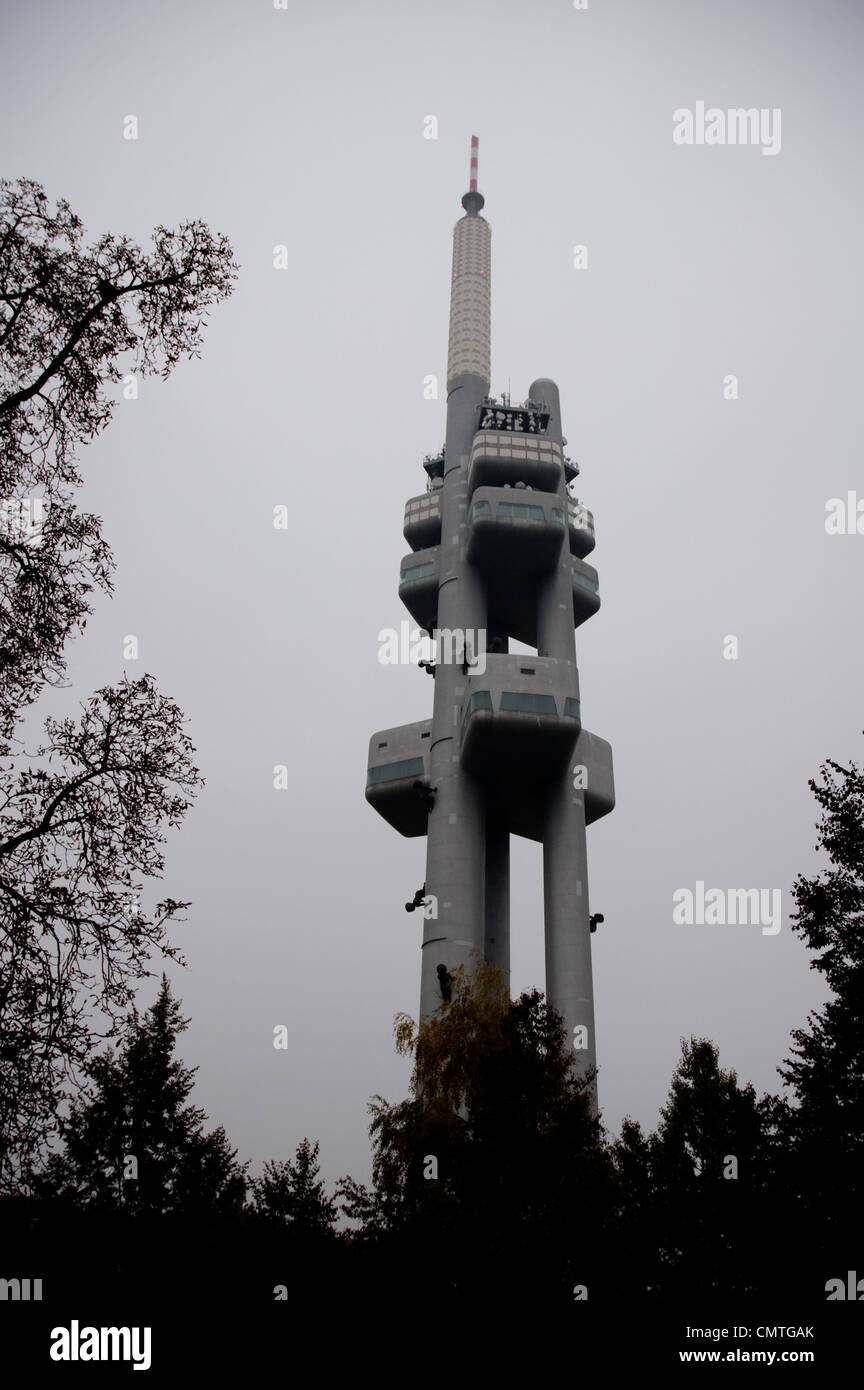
{"x": 498, "y": 548}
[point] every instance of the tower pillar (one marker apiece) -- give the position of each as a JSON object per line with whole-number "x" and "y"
{"x": 569, "y": 984}
{"x": 456, "y": 843}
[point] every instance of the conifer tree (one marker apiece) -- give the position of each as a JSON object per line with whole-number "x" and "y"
{"x": 823, "y": 1127}
{"x": 690, "y": 1192}
{"x": 294, "y": 1193}
{"x": 134, "y": 1143}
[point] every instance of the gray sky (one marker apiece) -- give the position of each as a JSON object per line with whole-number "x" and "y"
{"x": 304, "y": 127}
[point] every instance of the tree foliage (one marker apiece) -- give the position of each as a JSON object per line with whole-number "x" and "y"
{"x": 823, "y": 1127}
{"x": 72, "y": 318}
{"x": 293, "y": 1193}
{"x": 495, "y": 1161}
{"x": 82, "y": 815}
{"x": 134, "y": 1143}
{"x": 689, "y": 1192}
{"x": 81, "y": 829}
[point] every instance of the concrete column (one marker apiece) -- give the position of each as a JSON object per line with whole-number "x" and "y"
{"x": 555, "y": 633}
{"x": 456, "y": 851}
{"x": 497, "y": 947}
{"x": 569, "y": 983}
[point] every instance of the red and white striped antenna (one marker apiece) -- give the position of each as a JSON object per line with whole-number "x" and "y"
{"x": 472, "y": 201}
{"x": 473, "y": 178}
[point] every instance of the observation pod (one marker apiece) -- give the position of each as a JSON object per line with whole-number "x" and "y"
{"x": 397, "y": 778}
{"x": 418, "y": 586}
{"x": 516, "y": 529}
{"x": 520, "y": 713}
{"x": 580, "y": 527}
{"x": 586, "y": 591}
{"x": 422, "y": 528}
{"x": 499, "y": 457}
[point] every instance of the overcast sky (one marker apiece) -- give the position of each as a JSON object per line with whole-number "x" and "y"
{"x": 304, "y": 127}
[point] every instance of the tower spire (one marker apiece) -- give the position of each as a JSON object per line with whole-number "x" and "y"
{"x": 468, "y": 351}
{"x": 472, "y": 201}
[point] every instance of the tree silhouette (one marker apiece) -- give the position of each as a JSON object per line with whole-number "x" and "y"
{"x": 82, "y": 815}
{"x": 822, "y": 1130}
{"x": 134, "y": 1144}
{"x": 493, "y": 1171}
{"x": 69, "y": 316}
{"x": 294, "y": 1194}
{"x": 691, "y": 1191}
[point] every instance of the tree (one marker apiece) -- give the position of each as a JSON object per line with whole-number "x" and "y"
{"x": 492, "y": 1177}
{"x": 133, "y": 1144}
{"x": 692, "y": 1195}
{"x": 81, "y": 816}
{"x": 68, "y": 315}
{"x": 294, "y": 1194}
{"x": 823, "y": 1128}
{"x": 76, "y": 832}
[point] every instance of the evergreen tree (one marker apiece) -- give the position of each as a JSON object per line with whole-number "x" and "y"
{"x": 135, "y": 1144}
{"x": 293, "y": 1193}
{"x": 822, "y": 1130}
{"x": 690, "y": 1192}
